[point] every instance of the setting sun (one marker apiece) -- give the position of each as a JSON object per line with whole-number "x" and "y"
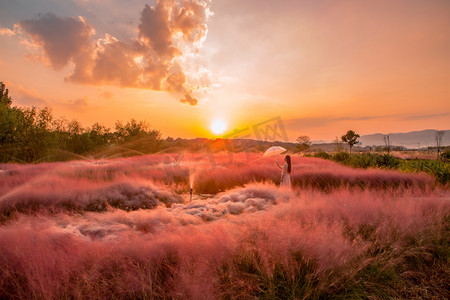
{"x": 218, "y": 127}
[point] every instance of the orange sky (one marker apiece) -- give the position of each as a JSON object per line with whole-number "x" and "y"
{"x": 322, "y": 66}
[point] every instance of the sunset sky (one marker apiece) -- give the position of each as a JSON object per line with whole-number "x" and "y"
{"x": 182, "y": 65}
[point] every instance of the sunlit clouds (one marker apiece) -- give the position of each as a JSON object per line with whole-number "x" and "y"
{"x": 169, "y": 33}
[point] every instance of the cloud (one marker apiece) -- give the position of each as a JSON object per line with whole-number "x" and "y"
{"x": 32, "y": 97}
{"x": 107, "y": 95}
{"x": 169, "y": 36}
{"x": 156, "y": 30}
{"x": 7, "y": 32}
{"x": 27, "y": 97}
{"x": 80, "y": 104}
{"x": 60, "y": 38}
{"x": 188, "y": 99}
{"x": 425, "y": 116}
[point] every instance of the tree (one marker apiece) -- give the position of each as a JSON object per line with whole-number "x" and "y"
{"x": 138, "y": 136}
{"x": 4, "y": 98}
{"x": 131, "y": 130}
{"x": 351, "y": 138}
{"x": 30, "y": 134}
{"x": 9, "y": 126}
{"x": 304, "y": 143}
{"x": 99, "y": 135}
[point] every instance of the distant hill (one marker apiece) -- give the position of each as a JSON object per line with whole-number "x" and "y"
{"x": 424, "y": 138}
{"x": 408, "y": 140}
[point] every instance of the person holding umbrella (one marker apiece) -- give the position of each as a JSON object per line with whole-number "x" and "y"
{"x": 285, "y": 172}
{"x": 285, "y": 169}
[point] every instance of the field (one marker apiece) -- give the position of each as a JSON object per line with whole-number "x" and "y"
{"x": 127, "y": 228}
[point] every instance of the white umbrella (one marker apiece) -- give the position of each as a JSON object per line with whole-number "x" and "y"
{"x": 275, "y": 150}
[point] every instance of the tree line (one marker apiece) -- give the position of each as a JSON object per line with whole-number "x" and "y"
{"x": 33, "y": 135}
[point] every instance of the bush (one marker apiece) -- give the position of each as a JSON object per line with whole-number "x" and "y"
{"x": 440, "y": 170}
{"x": 445, "y": 155}
{"x": 385, "y": 161}
{"x": 367, "y": 160}
{"x": 341, "y": 157}
{"x": 322, "y": 154}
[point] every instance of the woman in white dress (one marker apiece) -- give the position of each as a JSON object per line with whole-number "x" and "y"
{"x": 285, "y": 172}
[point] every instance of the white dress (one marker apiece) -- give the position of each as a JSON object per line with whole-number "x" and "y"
{"x": 285, "y": 177}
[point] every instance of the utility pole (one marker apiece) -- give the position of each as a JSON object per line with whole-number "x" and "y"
{"x": 387, "y": 143}
{"x": 439, "y": 135}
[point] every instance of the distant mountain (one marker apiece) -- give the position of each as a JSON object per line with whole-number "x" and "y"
{"x": 426, "y": 138}
{"x": 423, "y": 138}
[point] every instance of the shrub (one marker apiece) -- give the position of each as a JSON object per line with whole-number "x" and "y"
{"x": 341, "y": 157}
{"x": 364, "y": 160}
{"x": 374, "y": 160}
{"x": 440, "y": 170}
{"x": 387, "y": 161}
{"x": 445, "y": 155}
{"x": 322, "y": 154}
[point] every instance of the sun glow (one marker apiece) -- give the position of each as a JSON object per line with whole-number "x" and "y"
{"x": 218, "y": 127}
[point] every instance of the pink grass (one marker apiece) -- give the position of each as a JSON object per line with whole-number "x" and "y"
{"x": 125, "y": 228}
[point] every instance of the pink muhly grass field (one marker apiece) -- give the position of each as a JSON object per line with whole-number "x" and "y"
{"x": 125, "y": 228}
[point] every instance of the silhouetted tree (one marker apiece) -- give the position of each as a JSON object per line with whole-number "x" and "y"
{"x": 100, "y": 135}
{"x": 138, "y": 136}
{"x": 131, "y": 130}
{"x": 304, "y": 143}
{"x": 351, "y": 138}
{"x": 4, "y": 98}
{"x": 9, "y": 123}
